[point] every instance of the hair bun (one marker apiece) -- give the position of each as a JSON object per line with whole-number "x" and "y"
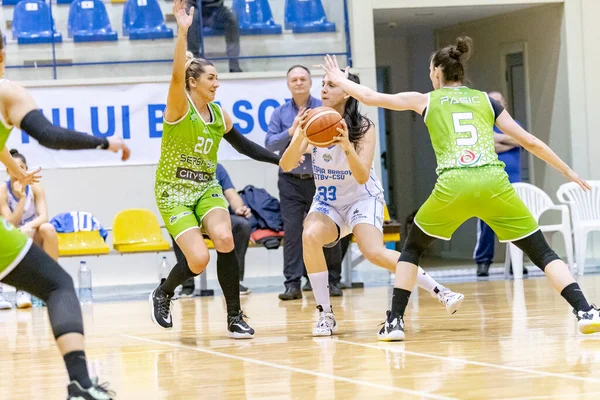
{"x": 189, "y": 56}
{"x": 14, "y": 152}
{"x": 462, "y": 48}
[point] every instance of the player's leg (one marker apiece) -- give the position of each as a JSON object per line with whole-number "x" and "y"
{"x": 443, "y": 212}
{"x": 508, "y": 216}
{"x": 214, "y": 215}
{"x": 41, "y": 276}
{"x": 242, "y": 230}
{"x": 183, "y": 225}
{"x": 320, "y": 230}
{"x": 47, "y": 238}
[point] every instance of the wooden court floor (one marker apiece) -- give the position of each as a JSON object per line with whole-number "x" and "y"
{"x": 509, "y": 340}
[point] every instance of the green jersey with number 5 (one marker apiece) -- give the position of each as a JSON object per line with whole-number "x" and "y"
{"x": 461, "y": 125}
{"x": 188, "y": 158}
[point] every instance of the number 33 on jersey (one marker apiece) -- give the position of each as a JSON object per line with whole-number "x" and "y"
{"x": 460, "y": 121}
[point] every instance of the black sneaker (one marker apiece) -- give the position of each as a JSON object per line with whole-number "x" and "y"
{"x": 335, "y": 290}
{"x": 238, "y": 328}
{"x": 244, "y": 290}
{"x": 161, "y": 308}
{"x": 96, "y": 392}
{"x": 392, "y": 330}
{"x": 290, "y": 294}
{"x": 187, "y": 291}
{"x": 483, "y": 269}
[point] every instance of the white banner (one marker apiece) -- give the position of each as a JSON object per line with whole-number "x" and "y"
{"x": 135, "y": 111}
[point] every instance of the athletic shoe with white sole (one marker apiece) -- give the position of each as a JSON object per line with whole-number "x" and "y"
{"x": 161, "y": 308}
{"x": 392, "y": 330}
{"x": 96, "y": 392}
{"x": 237, "y": 328}
{"x": 452, "y": 300}
{"x": 4, "y": 305}
{"x": 23, "y": 299}
{"x": 588, "y": 321}
{"x": 326, "y": 326}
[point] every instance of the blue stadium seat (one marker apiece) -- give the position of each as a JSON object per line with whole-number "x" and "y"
{"x": 143, "y": 19}
{"x": 64, "y": 1}
{"x": 9, "y": 2}
{"x": 88, "y": 22}
{"x": 32, "y": 23}
{"x": 255, "y": 17}
{"x": 306, "y": 16}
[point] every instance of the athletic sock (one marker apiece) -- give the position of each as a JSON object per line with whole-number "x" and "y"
{"x": 574, "y": 296}
{"x": 178, "y": 275}
{"x": 320, "y": 286}
{"x": 228, "y": 273}
{"x": 399, "y": 302}
{"x": 425, "y": 281}
{"x": 77, "y": 368}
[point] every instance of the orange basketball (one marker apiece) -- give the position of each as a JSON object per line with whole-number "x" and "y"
{"x": 321, "y": 126}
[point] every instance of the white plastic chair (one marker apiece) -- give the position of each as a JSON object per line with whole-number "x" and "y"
{"x": 538, "y": 202}
{"x": 585, "y": 208}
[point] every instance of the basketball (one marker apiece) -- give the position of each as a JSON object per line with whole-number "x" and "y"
{"x": 321, "y": 126}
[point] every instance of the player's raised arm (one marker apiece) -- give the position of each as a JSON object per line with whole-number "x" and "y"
{"x": 177, "y": 103}
{"x": 538, "y": 148}
{"x": 298, "y": 146}
{"x": 414, "y": 101}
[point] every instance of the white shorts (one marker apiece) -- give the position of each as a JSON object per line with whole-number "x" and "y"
{"x": 364, "y": 211}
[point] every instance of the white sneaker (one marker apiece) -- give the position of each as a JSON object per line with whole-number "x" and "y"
{"x": 588, "y": 321}
{"x": 450, "y": 299}
{"x": 392, "y": 330}
{"x": 23, "y": 299}
{"x": 326, "y": 325}
{"x": 4, "y": 305}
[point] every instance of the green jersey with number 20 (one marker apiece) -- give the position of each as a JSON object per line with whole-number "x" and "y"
{"x": 188, "y": 159}
{"x": 461, "y": 125}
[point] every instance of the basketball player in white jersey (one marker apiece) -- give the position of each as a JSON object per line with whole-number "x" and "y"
{"x": 348, "y": 199}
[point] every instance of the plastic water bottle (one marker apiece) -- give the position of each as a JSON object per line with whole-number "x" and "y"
{"x": 163, "y": 270}
{"x": 36, "y": 302}
{"x": 85, "y": 283}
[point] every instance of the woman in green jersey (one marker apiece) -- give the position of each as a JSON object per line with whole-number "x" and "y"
{"x": 471, "y": 180}
{"x": 187, "y": 192}
{"x": 26, "y": 266}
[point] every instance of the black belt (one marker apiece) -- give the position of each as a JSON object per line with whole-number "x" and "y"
{"x": 300, "y": 176}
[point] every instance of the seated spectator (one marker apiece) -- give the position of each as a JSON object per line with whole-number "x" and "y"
{"x": 240, "y": 226}
{"x": 26, "y": 208}
{"x": 215, "y": 15}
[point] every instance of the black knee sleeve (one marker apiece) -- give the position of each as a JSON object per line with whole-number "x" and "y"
{"x": 537, "y": 249}
{"x": 41, "y": 276}
{"x": 415, "y": 245}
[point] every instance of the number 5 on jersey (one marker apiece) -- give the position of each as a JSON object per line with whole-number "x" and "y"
{"x": 464, "y": 128}
{"x": 327, "y": 193}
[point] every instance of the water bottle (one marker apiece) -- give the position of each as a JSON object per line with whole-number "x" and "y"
{"x": 163, "y": 270}
{"x": 85, "y": 283}
{"x": 36, "y": 302}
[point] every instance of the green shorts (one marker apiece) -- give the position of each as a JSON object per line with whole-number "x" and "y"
{"x": 181, "y": 218}
{"x": 482, "y": 192}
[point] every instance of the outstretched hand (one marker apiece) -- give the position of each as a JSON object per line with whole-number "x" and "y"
{"x": 333, "y": 71}
{"x": 29, "y": 177}
{"x": 184, "y": 20}
{"x": 115, "y": 144}
{"x": 572, "y": 175}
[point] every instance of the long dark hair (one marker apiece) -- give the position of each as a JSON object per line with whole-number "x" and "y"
{"x": 453, "y": 59}
{"x": 358, "y": 124}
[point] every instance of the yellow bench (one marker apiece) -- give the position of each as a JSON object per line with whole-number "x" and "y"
{"x": 136, "y": 230}
{"x": 83, "y": 243}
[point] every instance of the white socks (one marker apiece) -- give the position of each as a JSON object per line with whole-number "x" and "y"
{"x": 426, "y": 282}
{"x": 320, "y": 286}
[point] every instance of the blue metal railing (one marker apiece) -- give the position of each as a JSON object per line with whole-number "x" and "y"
{"x": 55, "y": 65}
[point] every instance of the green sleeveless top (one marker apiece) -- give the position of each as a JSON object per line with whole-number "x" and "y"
{"x": 188, "y": 159}
{"x": 461, "y": 122}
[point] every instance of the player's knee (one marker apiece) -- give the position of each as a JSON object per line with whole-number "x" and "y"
{"x": 312, "y": 237}
{"x": 47, "y": 231}
{"x": 198, "y": 262}
{"x": 537, "y": 249}
{"x": 375, "y": 254}
{"x": 223, "y": 240}
{"x": 415, "y": 246}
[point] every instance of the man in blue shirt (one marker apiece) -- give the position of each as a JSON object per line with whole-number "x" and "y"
{"x": 509, "y": 152}
{"x": 240, "y": 226}
{"x": 297, "y": 188}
